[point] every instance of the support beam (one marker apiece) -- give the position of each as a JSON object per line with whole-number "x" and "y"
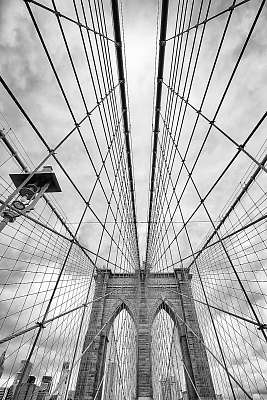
{"x": 144, "y": 382}
{"x": 162, "y": 45}
{"x": 197, "y": 374}
{"x": 123, "y": 95}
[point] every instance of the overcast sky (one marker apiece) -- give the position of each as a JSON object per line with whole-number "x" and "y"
{"x": 29, "y": 75}
{"x": 26, "y": 70}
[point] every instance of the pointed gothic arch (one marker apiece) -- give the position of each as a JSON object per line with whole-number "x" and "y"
{"x": 167, "y": 372}
{"x": 119, "y": 375}
{"x": 115, "y": 306}
{"x": 169, "y": 308}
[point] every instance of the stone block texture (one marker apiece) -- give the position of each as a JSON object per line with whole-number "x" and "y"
{"x": 142, "y": 295}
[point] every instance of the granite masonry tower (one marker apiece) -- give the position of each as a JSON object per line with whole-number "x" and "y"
{"x": 142, "y": 294}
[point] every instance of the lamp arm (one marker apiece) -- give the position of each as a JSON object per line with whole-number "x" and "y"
{"x": 37, "y": 198}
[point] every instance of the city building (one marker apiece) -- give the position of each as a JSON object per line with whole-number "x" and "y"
{"x": 26, "y": 375}
{"x": 9, "y": 393}
{"x": 170, "y": 389}
{"x": 45, "y": 388}
{"x": 71, "y": 394}
{"x": 184, "y": 395}
{"x": 110, "y": 381}
{"x": 28, "y": 390}
{"x": 63, "y": 381}
{"x": 3, "y": 391}
{"x": 2, "y": 360}
{"x": 259, "y": 396}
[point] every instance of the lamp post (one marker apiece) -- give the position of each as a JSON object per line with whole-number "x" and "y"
{"x": 37, "y": 184}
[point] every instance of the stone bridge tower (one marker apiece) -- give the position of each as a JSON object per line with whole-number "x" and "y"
{"x": 143, "y": 294}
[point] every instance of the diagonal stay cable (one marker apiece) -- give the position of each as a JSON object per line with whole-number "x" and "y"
{"x": 227, "y": 255}
{"x": 195, "y": 65}
{"x": 241, "y": 146}
{"x": 175, "y": 61}
{"x": 51, "y": 151}
{"x": 215, "y": 357}
{"x": 84, "y": 102}
{"x": 243, "y": 228}
{"x": 131, "y": 230}
{"x": 215, "y": 183}
{"x": 107, "y": 71}
{"x": 230, "y": 80}
{"x": 190, "y": 87}
{"x": 61, "y": 15}
{"x": 204, "y": 21}
{"x": 97, "y": 78}
{"x": 77, "y": 126}
{"x": 49, "y": 320}
{"x": 95, "y": 67}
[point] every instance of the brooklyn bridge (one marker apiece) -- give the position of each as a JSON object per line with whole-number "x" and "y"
{"x": 133, "y": 239}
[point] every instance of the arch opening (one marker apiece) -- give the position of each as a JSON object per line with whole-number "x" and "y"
{"x": 168, "y": 376}
{"x": 119, "y": 380}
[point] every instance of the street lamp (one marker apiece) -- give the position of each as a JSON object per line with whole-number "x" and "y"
{"x": 28, "y": 195}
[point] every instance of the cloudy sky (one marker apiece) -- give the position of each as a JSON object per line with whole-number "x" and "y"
{"x": 26, "y": 70}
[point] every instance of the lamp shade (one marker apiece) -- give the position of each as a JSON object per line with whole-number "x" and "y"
{"x": 40, "y": 179}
